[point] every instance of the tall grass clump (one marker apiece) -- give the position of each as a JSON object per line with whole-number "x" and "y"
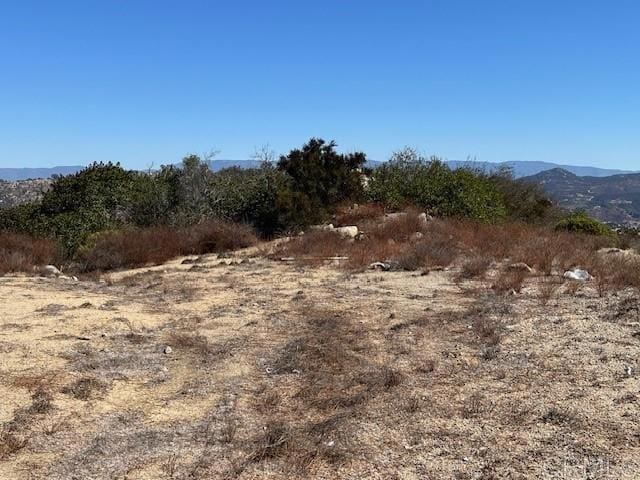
{"x": 20, "y": 253}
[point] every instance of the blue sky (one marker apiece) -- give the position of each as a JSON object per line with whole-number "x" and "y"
{"x": 146, "y": 82}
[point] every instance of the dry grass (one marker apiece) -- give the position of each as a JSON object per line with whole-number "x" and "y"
{"x": 85, "y": 388}
{"x": 20, "y": 253}
{"x": 407, "y": 242}
{"x": 357, "y": 214}
{"x": 474, "y": 268}
{"x": 334, "y": 376}
{"x": 509, "y": 281}
{"x": 14, "y": 434}
{"x": 360, "y": 376}
{"x": 154, "y": 245}
{"x": 548, "y": 289}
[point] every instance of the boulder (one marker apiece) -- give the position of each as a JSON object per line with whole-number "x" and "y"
{"x": 50, "y": 271}
{"x": 349, "y": 232}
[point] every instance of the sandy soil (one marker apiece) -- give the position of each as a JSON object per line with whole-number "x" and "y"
{"x": 282, "y": 371}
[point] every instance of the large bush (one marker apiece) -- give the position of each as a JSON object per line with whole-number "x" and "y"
{"x": 99, "y": 197}
{"x": 320, "y": 179}
{"x": 252, "y": 196}
{"x": 410, "y": 179}
{"x": 580, "y": 222}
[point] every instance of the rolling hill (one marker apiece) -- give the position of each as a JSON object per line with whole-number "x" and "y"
{"x": 613, "y": 199}
{"x": 524, "y": 169}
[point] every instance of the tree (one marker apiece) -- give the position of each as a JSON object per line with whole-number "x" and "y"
{"x": 321, "y": 178}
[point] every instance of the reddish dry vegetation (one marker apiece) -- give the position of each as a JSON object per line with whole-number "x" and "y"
{"x": 143, "y": 246}
{"x": 407, "y": 243}
{"x": 20, "y": 253}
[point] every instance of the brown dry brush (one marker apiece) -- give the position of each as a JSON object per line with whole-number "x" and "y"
{"x": 20, "y": 253}
{"x": 329, "y": 367}
{"x": 154, "y": 245}
{"x": 412, "y": 244}
{"x": 14, "y": 434}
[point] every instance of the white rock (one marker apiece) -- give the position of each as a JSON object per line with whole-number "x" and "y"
{"x": 424, "y": 217}
{"x": 168, "y": 350}
{"x": 380, "y": 266}
{"x": 577, "y": 274}
{"x": 416, "y": 236}
{"x": 349, "y": 232}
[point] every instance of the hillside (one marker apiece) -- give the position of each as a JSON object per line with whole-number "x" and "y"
{"x": 614, "y": 199}
{"x": 15, "y": 174}
{"x": 16, "y": 193}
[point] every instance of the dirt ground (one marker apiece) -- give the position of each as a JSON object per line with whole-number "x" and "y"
{"x": 250, "y": 368}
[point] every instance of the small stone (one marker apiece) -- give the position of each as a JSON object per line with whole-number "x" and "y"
{"x": 167, "y": 350}
{"x": 380, "y": 266}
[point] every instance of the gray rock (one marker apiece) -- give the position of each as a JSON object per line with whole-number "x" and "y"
{"x": 50, "y": 271}
{"x": 577, "y": 274}
{"x": 167, "y": 350}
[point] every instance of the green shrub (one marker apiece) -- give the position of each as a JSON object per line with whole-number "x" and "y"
{"x": 580, "y": 222}
{"x": 252, "y": 196}
{"x": 410, "y": 179}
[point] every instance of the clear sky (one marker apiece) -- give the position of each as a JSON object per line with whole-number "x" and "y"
{"x": 146, "y": 82}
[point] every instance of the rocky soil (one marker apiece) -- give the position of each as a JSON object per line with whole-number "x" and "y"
{"x": 250, "y": 368}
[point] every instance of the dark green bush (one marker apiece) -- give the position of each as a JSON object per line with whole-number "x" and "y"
{"x": 410, "y": 179}
{"x": 252, "y": 196}
{"x": 320, "y": 179}
{"x": 580, "y": 222}
{"x": 524, "y": 201}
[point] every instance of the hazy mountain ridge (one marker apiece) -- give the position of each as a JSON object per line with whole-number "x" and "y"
{"x": 524, "y": 169}
{"x": 519, "y": 168}
{"x": 614, "y": 199}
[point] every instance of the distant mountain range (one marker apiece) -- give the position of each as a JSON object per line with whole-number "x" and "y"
{"x": 524, "y": 169}
{"x": 520, "y": 169}
{"x": 613, "y": 199}
{"x": 15, "y": 174}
